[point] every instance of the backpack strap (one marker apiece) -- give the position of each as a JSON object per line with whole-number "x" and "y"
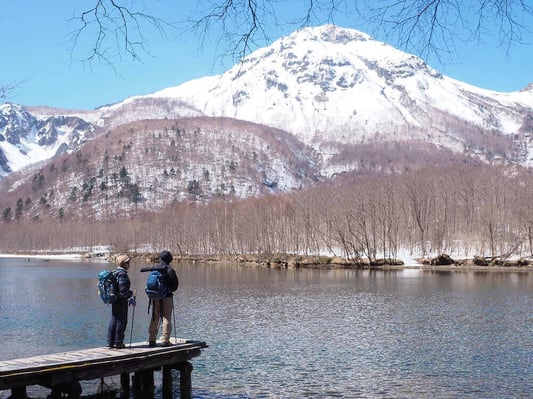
{"x": 116, "y": 274}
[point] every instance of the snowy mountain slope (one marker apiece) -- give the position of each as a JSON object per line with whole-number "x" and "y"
{"x": 330, "y": 87}
{"x": 27, "y": 139}
{"x": 329, "y": 84}
{"x": 29, "y": 135}
{"x": 149, "y": 164}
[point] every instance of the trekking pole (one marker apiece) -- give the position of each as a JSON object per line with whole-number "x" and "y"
{"x": 174, "y": 317}
{"x": 133, "y": 315}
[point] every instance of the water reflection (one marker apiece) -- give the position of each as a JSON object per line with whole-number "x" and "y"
{"x": 301, "y": 333}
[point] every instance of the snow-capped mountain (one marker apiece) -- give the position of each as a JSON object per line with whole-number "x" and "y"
{"x": 332, "y": 88}
{"x": 26, "y": 139}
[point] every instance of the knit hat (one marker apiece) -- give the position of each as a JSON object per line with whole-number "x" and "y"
{"x": 166, "y": 257}
{"x": 122, "y": 260}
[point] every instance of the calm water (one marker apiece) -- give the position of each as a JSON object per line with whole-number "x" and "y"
{"x": 298, "y": 333}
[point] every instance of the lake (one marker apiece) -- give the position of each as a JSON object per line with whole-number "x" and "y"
{"x": 297, "y": 333}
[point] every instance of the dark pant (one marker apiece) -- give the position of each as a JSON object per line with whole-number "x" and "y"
{"x": 117, "y": 325}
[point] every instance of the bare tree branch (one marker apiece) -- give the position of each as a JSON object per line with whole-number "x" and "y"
{"x": 239, "y": 22}
{"x": 6, "y": 90}
{"x": 114, "y": 30}
{"x": 432, "y": 27}
{"x": 426, "y": 27}
{"x": 4, "y": 93}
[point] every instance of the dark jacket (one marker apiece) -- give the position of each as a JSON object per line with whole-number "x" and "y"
{"x": 123, "y": 282}
{"x": 171, "y": 278}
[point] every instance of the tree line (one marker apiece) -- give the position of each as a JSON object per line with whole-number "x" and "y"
{"x": 476, "y": 211}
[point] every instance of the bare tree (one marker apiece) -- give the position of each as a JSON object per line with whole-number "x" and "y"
{"x": 424, "y": 26}
{"x": 114, "y": 29}
{"x": 3, "y": 93}
{"x": 432, "y": 26}
{"x": 7, "y": 89}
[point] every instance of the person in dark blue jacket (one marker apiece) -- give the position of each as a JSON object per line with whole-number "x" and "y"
{"x": 119, "y": 309}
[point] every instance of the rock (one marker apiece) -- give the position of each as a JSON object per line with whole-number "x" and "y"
{"x": 442, "y": 260}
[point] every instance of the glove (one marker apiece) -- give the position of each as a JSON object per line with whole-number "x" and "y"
{"x": 131, "y": 301}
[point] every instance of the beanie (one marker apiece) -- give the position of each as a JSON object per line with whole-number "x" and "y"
{"x": 166, "y": 257}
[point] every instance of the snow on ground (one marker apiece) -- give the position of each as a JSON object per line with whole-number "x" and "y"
{"x": 99, "y": 252}
{"x": 44, "y": 255}
{"x": 407, "y": 258}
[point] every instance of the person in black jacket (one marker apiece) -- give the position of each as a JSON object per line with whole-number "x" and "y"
{"x": 162, "y": 308}
{"x": 119, "y": 309}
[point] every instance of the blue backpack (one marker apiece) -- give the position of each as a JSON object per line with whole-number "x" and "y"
{"x": 156, "y": 285}
{"x": 107, "y": 286}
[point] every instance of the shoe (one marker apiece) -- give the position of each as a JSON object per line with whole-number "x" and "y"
{"x": 151, "y": 344}
{"x": 166, "y": 343}
{"x": 120, "y": 346}
{"x": 110, "y": 346}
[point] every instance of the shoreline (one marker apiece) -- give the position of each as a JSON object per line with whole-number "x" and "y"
{"x": 43, "y": 256}
{"x": 282, "y": 261}
{"x": 277, "y": 261}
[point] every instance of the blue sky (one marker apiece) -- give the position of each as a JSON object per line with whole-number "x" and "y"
{"x": 35, "y": 52}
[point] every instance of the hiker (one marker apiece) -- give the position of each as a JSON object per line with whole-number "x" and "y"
{"x": 161, "y": 283}
{"x": 119, "y": 308}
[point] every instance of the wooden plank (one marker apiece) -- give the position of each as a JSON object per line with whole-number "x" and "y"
{"x": 84, "y": 355}
{"x": 93, "y": 363}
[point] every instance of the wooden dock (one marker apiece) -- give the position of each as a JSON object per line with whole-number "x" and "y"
{"x": 61, "y": 372}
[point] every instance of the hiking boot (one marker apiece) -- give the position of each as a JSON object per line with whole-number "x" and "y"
{"x": 151, "y": 344}
{"x": 120, "y": 346}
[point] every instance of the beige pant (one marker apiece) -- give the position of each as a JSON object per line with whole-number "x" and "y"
{"x": 165, "y": 315}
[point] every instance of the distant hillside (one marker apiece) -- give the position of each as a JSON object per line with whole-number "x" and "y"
{"x": 146, "y": 165}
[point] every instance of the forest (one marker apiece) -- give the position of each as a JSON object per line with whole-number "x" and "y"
{"x": 483, "y": 211}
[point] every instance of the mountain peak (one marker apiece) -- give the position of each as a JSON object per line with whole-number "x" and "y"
{"x": 331, "y": 39}
{"x": 332, "y": 34}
